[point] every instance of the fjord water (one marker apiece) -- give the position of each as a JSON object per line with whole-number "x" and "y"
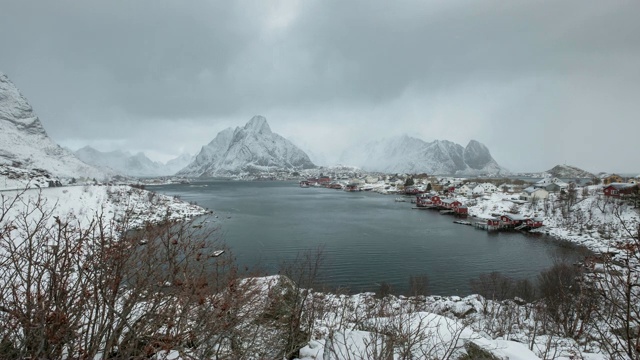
{"x": 367, "y": 238}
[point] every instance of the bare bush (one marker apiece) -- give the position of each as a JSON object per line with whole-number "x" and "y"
{"x": 102, "y": 289}
{"x": 567, "y": 299}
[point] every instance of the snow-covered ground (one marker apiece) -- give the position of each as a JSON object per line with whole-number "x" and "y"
{"x": 84, "y": 203}
{"x": 355, "y": 327}
{"x": 593, "y": 220}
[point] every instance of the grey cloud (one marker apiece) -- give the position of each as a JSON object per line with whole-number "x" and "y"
{"x": 129, "y": 70}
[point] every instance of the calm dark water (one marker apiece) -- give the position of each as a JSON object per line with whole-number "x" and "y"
{"x": 367, "y": 237}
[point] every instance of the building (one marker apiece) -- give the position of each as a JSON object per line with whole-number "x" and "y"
{"x": 531, "y": 193}
{"x": 512, "y": 219}
{"x": 464, "y": 190}
{"x": 450, "y": 203}
{"x": 618, "y": 189}
{"x": 484, "y": 188}
{"x": 613, "y": 178}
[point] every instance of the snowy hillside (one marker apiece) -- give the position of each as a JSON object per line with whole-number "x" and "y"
{"x": 125, "y": 163}
{"x": 569, "y": 172}
{"x": 24, "y": 143}
{"x": 83, "y": 204}
{"x": 253, "y": 147}
{"x": 405, "y": 154}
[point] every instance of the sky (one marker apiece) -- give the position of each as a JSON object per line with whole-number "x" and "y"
{"x": 539, "y": 82}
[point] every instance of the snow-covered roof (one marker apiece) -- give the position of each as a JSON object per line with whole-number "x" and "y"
{"x": 515, "y": 217}
{"x": 448, "y": 201}
{"x": 531, "y": 190}
{"x": 620, "y": 186}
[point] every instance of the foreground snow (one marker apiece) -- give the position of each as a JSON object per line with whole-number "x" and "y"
{"x": 434, "y": 327}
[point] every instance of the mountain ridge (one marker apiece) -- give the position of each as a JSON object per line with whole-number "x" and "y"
{"x": 250, "y": 148}
{"x": 126, "y": 163}
{"x": 406, "y": 154}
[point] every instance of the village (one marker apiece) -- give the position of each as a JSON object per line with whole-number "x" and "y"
{"x": 509, "y": 204}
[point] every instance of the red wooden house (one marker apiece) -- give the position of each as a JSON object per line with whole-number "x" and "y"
{"x": 424, "y": 200}
{"x": 413, "y": 190}
{"x": 324, "y": 180}
{"x": 620, "y": 189}
{"x": 512, "y": 219}
{"x": 435, "y": 200}
{"x": 461, "y": 210}
{"x": 534, "y": 223}
{"x": 450, "y": 203}
{"x": 351, "y": 187}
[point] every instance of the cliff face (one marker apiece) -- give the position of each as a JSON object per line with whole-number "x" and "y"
{"x": 24, "y": 143}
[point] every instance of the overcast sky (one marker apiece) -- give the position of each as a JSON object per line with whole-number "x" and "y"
{"x": 539, "y": 82}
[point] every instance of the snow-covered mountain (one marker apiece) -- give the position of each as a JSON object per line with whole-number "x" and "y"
{"x": 568, "y": 171}
{"x": 405, "y": 154}
{"x": 177, "y": 164}
{"x": 125, "y": 163}
{"x": 317, "y": 158}
{"x": 251, "y": 148}
{"x": 24, "y": 144}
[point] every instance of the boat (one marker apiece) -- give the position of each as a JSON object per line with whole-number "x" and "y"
{"x": 462, "y": 222}
{"x": 399, "y": 199}
{"x": 304, "y": 184}
{"x": 216, "y": 253}
{"x": 352, "y": 188}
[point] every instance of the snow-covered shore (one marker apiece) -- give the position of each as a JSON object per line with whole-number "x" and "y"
{"x": 592, "y": 220}
{"x": 84, "y": 203}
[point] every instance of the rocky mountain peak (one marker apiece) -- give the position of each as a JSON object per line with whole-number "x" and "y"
{"x": 476, "y": 155}
{"x": 24, "y": 142}
{"x": 15, "y": 108}
{"x": 258, "y": 124}
{"x": 247, "y": 149}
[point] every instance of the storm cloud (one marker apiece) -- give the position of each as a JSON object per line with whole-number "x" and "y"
{"x": 539, "y": 82}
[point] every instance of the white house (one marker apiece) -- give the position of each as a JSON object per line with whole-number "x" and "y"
{"x": 532, "y": 193}
{"x": 371, "y": 179}
{"x": 464, "y": 190}
{"x": 548, "y": 181}
{"x": 489, "y": 188}
{"x": 484, "y": 188}
{"x": 508, "y": 187}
